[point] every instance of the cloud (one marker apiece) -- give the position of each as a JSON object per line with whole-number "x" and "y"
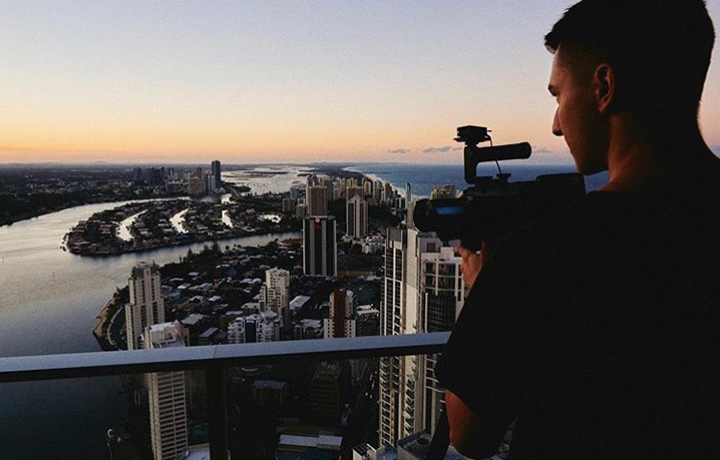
{"x": 541, "y": 151}
{"x": 457, "y": 149}
{"x": 445, "y": 149}
{"x": 715, "y": 149}
{"x": 400, "y": 151}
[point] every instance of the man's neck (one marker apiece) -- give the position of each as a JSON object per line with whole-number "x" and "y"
{"x": 642, "y": 161}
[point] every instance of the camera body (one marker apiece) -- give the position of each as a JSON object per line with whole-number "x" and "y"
{"x": 493, "y": 206}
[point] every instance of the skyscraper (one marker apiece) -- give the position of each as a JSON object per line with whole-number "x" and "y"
{"x": 146, "y": 306}
{"x": 443, "y": 295}
{"x": 166, "y": 393}
{"x": 215, "y": 171}
{"x": 277, "y": 282}
{"x": 378, "y": 191}
{"x": 341, "y": 317}
{"x": 317, "y": 200}
{"x": 320, "y": 246}
{"x": 388, "y": 194}
{"x": 367, "y": 186}
{"x": 391, "y": 316}
{"x": 412, "y": 301}
{"x": 357, "y": 217}
{"x": 353, "y": 190}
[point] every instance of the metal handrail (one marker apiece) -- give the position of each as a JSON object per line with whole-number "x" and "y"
{"x": 76, "y": 365}
{"x": 214, "y": 359}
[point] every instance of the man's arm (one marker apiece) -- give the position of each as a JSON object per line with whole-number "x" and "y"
{"x": 472, "y": 435}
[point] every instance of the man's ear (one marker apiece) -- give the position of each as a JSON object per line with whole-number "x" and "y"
{"x": 604, "y": 79}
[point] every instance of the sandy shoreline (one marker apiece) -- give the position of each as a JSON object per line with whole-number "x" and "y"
{"x": 102, "y": 319}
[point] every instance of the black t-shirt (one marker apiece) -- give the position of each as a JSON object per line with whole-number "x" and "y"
{"x": 598, "y": 329}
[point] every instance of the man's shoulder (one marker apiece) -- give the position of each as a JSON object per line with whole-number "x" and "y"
{"x": 612, "y": 215}
{"x": 568, "y": 226}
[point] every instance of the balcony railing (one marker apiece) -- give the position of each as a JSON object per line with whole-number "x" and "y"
{"x": 214, "y": 360}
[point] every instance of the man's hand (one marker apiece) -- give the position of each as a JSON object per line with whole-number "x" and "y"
{"x": 471, "y": 263}
{"x": 470, "y": 435}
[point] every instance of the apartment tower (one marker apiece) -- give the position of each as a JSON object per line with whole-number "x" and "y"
{"x": 341, "y": 317}
{"x": 421, "y": 286}
{"x": 357, "y": 217}
{"x": 146, "y": 306}
{"x": 277, "y": 283}
{"x": 215, "y": 171}
{"x": 166, "y": 393}
{"x": 320, "y": 246}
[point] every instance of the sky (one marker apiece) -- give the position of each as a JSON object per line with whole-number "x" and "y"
{"x": 270, "y": 81}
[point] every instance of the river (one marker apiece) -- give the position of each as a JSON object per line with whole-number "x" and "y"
{"x": 49, "y": 300}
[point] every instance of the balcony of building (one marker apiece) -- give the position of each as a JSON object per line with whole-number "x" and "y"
{"x": 217, "y": 365}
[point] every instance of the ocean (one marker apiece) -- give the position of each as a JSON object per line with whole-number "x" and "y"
{"x": 423, "y": 178}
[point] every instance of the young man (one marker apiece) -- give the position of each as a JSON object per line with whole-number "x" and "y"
{"x": 597, "y": 329}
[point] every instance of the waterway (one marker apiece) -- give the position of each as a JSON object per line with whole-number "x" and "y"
{"x": 269, "y": 179}
{"x": 123, "y": 231}
{"x": 49, "y": 299}
{"x": 177, "y": 221}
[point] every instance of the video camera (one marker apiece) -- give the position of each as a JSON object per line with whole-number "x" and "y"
{"x": 493, "y": 207}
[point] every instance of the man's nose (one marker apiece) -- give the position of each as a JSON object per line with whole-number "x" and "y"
{"x": 556, "y": 126}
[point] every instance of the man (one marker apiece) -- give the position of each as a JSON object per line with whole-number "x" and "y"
{"x": 597, "y": 329}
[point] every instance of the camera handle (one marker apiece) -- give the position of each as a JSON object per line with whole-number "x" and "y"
{"x": 473, "y": 155}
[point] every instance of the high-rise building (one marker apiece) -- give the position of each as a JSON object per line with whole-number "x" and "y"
{"x": 338, "y": 188}
{"x": 378, "y": 190}
{"x": 146, "y": 306}
{"x": 388, "y": 194}
{"x": 320, "y": 246}
{"x": 367, "y": 186}
{"x": 296, "y": 191}
{"x": 288, "y": 205}
{"x": 326, "y": 392}
{"x": 354, "y": 190}
{"x": 317, "y": 200}
{"x": 443, "y": 295}
{"x": 357, "y": 217}
{"x": 166, "y": 393}
{"x": 390, "y": 400}
{"x": 341, "y": 316}
{"x": 410, "y": 256}
{"x": 301, "y": 211}
{"x": 277, "y": 282}
{"x": 196, "y": 186}
{"x": 215, "y": 171}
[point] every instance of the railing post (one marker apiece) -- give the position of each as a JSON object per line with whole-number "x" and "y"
{"x": 217, "y": 412}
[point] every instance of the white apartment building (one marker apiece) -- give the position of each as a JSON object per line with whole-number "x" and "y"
{"x": 255, "y": 328}
{"x": 417, "y": 268}
{"x": 277, "y": 292}
{"x": 356, "y": 217}
{"x": 146, "y": 306}
{"x": 166, "y": 393}
{"x": 341, "y": 318}
{"x": 443, "y": 295}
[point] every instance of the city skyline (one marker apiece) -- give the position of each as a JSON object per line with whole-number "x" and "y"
{"x": 267, "y": 82}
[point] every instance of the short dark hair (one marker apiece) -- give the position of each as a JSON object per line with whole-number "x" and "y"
{"x": 659, "y": 49}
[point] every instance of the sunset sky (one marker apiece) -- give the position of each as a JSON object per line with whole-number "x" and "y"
{"x": 269, "y": 81}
